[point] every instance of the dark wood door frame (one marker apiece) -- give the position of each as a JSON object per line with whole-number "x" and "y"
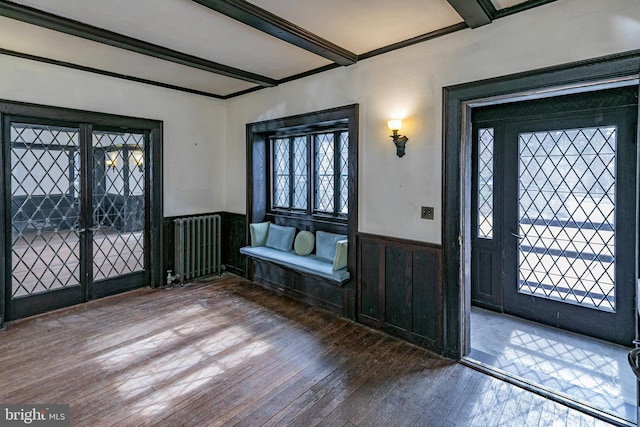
{"x": 458, "y": 102}
{"x": 153, "y": 179}
{"x": 497, "y": 261}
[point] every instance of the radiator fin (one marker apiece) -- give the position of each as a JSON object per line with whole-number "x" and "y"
{"x": 197, "y": 247}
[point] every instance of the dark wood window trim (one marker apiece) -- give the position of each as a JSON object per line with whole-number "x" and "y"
{"x": 258, "y": 180}
{"x": 311, "y": 212}
{"x": 259, "y": 203}
{"x": 457, "y": 106}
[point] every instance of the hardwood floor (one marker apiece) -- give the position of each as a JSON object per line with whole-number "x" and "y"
{"x": 227, "y": 352}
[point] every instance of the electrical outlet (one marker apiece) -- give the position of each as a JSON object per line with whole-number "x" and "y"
{"x": 426, "y": 212}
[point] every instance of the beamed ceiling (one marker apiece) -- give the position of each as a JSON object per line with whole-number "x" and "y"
{"x": 224, "y": 48}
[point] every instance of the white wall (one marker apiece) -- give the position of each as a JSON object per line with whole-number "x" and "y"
{"x": 408, "y": 83}
{"x": 204, "y": 139}
{"x": 193, "y": 125}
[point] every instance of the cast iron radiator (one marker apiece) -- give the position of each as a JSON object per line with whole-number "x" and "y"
{"x": 197, "y": 247}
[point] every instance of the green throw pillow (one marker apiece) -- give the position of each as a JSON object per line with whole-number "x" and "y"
{"x": 304, "y": 242}
{"x": 259, "y": 232}
{"x": 340, "y": 260}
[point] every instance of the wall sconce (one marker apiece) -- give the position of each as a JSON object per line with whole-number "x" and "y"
{"x": 138, "y": 158}
{"x": 111, "y": 161}
{"x": 400, "y": 140}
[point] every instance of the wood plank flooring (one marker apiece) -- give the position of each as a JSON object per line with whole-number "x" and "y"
{"x": 227, "y": 352}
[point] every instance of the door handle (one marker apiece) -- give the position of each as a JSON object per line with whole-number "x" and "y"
{"x": 633, "y": 361}
{"x": 517, "y": 236}
{"x": 83, "y": 230}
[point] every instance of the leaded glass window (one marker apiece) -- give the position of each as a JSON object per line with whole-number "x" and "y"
{"x": 325, "y": 172}
{"x": 485, "y": 183}
{"x": 310, "y": 173}
{"x": 281, "y": 177}
{"x": 300, "y": 180}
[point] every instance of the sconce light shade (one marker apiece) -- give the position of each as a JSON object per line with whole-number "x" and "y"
{"x": 400, "y": 140}
{"x": 395, "y": 124}
{"x": 111, "y": 160}
{"x": 138, "y": 157}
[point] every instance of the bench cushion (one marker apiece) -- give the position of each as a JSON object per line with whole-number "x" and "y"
{"x": 308, "y": 264}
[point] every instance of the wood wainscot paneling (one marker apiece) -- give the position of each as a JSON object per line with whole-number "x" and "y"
{"x": 400, "y": 288}
{"x": 303, "y": 287}
{"x": 234, "y": 236}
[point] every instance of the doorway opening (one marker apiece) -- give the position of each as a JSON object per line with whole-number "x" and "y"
{"x": 81, "y": 207}
{"x": 553, "y": 214}
{"x": 461, "y": 101}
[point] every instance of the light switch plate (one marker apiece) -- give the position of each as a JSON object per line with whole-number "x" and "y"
{"x": 426, "y": 212}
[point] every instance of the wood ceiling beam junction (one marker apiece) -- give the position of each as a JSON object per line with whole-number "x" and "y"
{"x": 472, "y": 11}
{"x": 267, "y": 22}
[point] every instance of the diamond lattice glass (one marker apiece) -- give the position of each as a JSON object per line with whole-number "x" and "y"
{"x": 281, "y": 173}
{"x": 44, "y": 208}
{"x": 300, "y": 172}
{"x": 118, "y": 204}
{"x": 324, "y": 197}
{"x": 566, "y": 215}
{"x": 485, "y": 183}
{"x": 344, "y": 173}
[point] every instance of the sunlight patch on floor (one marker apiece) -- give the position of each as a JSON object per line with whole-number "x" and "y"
{"x": 580, "y": 368}
{"x": 177, "y": 361}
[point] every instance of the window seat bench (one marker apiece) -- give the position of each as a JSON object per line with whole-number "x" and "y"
{"x": 283, "y": 259}
{"x": 309, "y": 264}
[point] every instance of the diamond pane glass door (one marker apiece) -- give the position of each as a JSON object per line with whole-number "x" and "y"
{"x": 118, "y": 204}
{"x": 566, "y": 216}
{"x": 45, "y": 208}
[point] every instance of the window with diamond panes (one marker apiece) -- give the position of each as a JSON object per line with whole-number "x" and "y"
{"x": 281, "y": 173}
{"x": 329, "y": 178}
{"x": 290, "y": 173}
{"x": 566, "y": 213}
{"x": 300, "y": 180}
{"x": 343, "y": 208}
{"x": 485, "y": 183}
{"x": 325, "y": 172}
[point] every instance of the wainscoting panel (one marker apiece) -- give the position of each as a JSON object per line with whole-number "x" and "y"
{"x": 371, "y": 293}
{"x": 400, "y": 288}
{"x": 234, "y": 236}
{"x": 397, "y": 287}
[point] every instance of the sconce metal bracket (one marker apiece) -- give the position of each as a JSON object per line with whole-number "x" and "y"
{"x": 400, "y": 141}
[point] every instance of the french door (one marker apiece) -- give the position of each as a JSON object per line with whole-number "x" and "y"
{"x": 554, "y": 198}
{"x": 77, "y": 218}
